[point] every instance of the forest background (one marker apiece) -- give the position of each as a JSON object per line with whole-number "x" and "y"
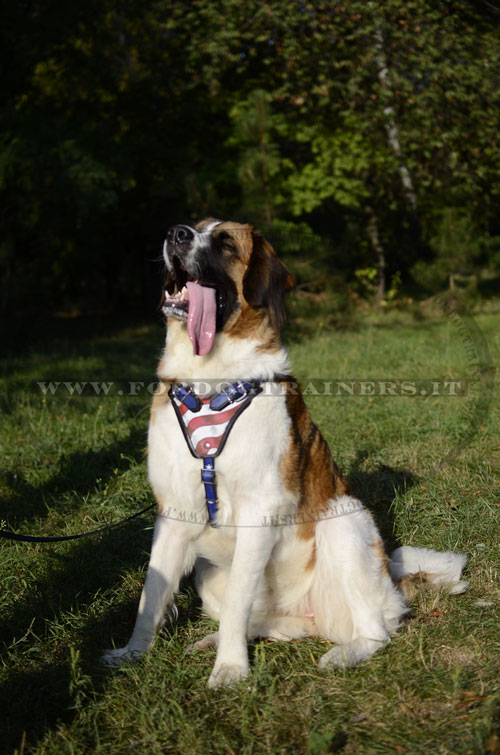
{"x": 361, "y": 137}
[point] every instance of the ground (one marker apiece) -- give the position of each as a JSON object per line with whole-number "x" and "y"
{"x": 427, "y": 464}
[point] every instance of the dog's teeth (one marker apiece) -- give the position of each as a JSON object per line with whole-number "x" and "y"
{"x": 181, "y": 295}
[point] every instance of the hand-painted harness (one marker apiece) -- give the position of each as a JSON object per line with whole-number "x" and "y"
{"x": 206, "y": 424}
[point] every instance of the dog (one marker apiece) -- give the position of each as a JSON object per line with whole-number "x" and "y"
{"x": 280, "y": 547}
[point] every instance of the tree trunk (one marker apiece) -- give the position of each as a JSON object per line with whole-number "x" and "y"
{"x": 265, "y": 182}
{"x": 391, "y": 128}
{"x": 378, "y": 248}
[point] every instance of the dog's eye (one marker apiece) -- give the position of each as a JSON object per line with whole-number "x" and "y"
{"x": 228, "y": 247}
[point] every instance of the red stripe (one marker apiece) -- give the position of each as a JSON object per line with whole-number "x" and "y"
{"x": 218, "y": 418}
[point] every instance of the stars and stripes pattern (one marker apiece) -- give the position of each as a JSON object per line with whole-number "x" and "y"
{"x": 205, "y": 424}
{"x": 206, "y": 428}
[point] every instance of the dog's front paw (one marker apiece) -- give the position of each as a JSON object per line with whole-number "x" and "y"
{"x": 226, "y": 674}
{"x": 117, "y": 656}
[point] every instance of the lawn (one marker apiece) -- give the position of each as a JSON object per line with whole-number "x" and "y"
{"x": 411, "y": 417}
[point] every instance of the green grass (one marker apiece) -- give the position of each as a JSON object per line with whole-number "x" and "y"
{"x": 428, "y": 466}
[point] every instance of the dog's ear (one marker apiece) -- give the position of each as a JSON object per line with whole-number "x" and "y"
{"x": 267, "y": 280}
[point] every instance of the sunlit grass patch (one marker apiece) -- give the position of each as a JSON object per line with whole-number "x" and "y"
{"x": 72, "y": 462}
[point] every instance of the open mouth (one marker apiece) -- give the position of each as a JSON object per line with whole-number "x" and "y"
{"x": 195, "y": 304}
{"x": 176, "y": 305}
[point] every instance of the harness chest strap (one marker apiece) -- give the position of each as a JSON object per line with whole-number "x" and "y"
{"x": 206, "y": 424}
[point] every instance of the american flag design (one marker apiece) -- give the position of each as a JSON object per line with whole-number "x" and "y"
{"x": 206, "y": 429}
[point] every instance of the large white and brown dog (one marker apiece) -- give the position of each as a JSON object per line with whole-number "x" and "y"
{"x": 292, "y": 553}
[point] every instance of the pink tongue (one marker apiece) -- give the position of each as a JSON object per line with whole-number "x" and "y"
{"x": 201, "y": 317}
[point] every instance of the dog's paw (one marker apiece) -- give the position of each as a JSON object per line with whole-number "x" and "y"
{"x": 458, "y": 588}
{"x": 352, "y": 653}
{"x": 226, "y": 674}
{"x": 210, "y": 641}
{"x": 339, "y": 657}
{"x": 118, "y": 656}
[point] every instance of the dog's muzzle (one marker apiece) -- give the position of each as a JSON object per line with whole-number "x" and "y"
{"x": 180, "y": 236}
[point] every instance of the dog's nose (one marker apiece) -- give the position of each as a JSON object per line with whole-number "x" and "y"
{"x": 180, "y": 234}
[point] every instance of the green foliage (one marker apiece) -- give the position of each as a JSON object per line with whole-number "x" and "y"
{"x": 341, "y": 162}
{"x": 254, "y": 130}
{"x": 367, "y": 278}
{"x": 306, "y": 253}
{"x": 456, "y": 246}
{"x": 119, "y": 120}
{"x": 366, "y": 287}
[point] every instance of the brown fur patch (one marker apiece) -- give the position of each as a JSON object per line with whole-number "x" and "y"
{"x": 248, "y": 323}
{"x": 307, "y": 467}
{"x": 410, "y": 582}
{"x": 160, "y": 504}
{"x": 379, "y": 550}
{"x": 312, "y": 560}
{"x": 160, "y": 398}
{"x": 253, "y": 324}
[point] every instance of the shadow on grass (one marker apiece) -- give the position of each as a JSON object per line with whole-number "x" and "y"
{"x": 51, "y": 334}
{"x": 77, "y": 351}
{"x": 33, "y": 699}
{"x": 377, "y": 489}
{"x": 36, "y": 693}
{"x": 78, "y": 475}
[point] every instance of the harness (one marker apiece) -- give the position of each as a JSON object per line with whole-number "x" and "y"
{"x": 206, "y": 424}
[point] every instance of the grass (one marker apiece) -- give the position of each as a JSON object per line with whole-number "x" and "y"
{"x": 426, "y": 465}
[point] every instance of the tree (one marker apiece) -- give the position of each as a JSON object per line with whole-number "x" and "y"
{"x": 456, "y": 246}
{"x": 255, "y": 127}
{"x": 121, "y": 119}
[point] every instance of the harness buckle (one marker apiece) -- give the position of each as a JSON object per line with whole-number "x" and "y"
{"x": 208, "y": 476}
{"x": 188, "y": 397}
{"x": 243, "y": 390}
{"x": 229, "y": 393}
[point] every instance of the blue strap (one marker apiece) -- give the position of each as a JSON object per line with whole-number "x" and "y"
{"x": 233, "y": 393}
{"x": 188, "y": 398}
{"x": 208, "y": 480}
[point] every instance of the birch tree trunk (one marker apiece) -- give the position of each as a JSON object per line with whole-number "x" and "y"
{"x": 391, "y": 128}
{"x": 378, "y": 248}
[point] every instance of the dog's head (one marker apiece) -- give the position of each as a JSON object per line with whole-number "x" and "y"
{"x": 220, "y": 273}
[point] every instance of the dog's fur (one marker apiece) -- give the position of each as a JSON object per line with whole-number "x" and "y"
{"x": 294, "y": 554}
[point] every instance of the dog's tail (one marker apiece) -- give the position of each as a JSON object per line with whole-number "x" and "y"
{"x": 410, "y": 567}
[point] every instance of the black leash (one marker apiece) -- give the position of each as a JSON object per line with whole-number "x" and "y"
{"x": 8, "y": 535}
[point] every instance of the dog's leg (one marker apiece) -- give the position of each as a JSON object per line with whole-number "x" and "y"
{"x": 252, "y": 551}
{"x": 353, "y": 598}
{"x": 279, "y": 628}
{"x": 171, "y": 557}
